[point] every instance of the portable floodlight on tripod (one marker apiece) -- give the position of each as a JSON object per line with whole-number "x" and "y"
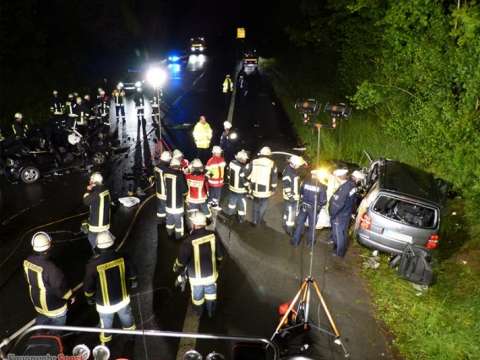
{"x": 300, "y": 305}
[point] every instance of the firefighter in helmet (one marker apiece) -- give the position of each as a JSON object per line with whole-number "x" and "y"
{"x": 291, "y": 192}
{"x": 109, "y": 276}
{"x": 98, "y": 199}
{"x": 263, "y": 183}
{"x": 215, "y": 171}
{"x": 237, "y": 173}
{"x": 175, "y": 190}
{"x": 159, "y": 172}
{"x": 200, "y": 254}
{"x": 197, "y": 189}
{"x": 48, "y": 288}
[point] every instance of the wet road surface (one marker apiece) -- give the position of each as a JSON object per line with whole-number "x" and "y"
{"x": 261, "y": 270}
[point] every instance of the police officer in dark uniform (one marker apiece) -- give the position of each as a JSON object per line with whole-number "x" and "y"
{"x": 237, "y": 174}
{"x": 200, "y": 254}
{"x": 291, "y": 192}
{"x": 98, "y": 199}
{"x": 175, "y": 189}
{"x": 341, "y": 207}
{"x": 108, "y": 278}
{"x": 313, "y": 196}
{"x": 48, "y": 288}
{"x": 159, "y": 172}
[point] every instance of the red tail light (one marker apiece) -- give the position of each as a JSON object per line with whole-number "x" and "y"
{"x": 432, "y": 242}
{"x": 365, "y": 222}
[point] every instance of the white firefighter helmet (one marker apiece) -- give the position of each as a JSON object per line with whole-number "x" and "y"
{"x": 198, "y": 219}
{"x": 241, "y": 155}
{"x": 104, "y": 240}
{"x": 358, "y": 175}
{"x": 217, "y": 150}
{"x": 266, "y": 151}
{"x": 120, "y": 86}
{"x": 340, "y": 172}
{"x": 41, "y": 241}
{"x": 227, "y": 125}
{"x": 296, "y": 161}
{"x": 177, "y": 154}
{"x": 55, "y": 92}
{"x": 175, "y": 162}
{"x": 18, "y": 115}
{"x": 197, "y": 164}
{"x": 96, "y": 178}
{"x": 166, "y": 156}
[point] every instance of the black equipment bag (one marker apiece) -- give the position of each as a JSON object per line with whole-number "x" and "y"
{"x": 415, "y": 265}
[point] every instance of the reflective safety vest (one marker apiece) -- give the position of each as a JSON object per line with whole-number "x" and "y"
{"x": 227, "y": 85}
{"x": 202, "y": 135}
{"x": 118, "y": 98}
{"x": 47, "y": 285}
{"x": 197, "y": 188}
{"x": 159, "y": 172}
{"x": 175, "y": 189}
{"x": 237, "y": 177}
{"x": 263, "y": 177}
{"x": 215, "y": 171}
{"x": 291, "y": 184}
{"x": 98, "y": 200}
{"x": 107, "y": 279}
{"x": 200, "y": 252}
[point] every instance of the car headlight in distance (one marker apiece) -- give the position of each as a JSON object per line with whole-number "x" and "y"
{"x": 200, "y": 48}
{"x": 173, "y": 58}
{"x": 192, "y": 48}
{"x": 138, "y": 84}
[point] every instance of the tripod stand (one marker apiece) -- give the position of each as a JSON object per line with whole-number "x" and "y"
{"x": 299, "y": 308}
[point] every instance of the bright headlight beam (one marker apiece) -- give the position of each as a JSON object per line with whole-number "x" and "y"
{"x": 156, "y": 77}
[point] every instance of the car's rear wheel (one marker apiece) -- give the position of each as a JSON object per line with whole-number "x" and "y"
{"x": 99, "y": 158}
{"x": 29, "y": 174}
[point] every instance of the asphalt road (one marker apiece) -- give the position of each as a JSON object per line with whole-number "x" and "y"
{"x": 261, "y": 270}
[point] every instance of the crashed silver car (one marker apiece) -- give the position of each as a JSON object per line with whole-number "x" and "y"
{"x": 402, "y": 206}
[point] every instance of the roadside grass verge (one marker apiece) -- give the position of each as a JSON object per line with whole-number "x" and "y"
{"x": 443, "y": 322}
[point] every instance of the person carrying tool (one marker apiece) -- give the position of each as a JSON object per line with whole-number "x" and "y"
{"x": 215, "y": 173}
{"x": 49, "y": 292}
{"x": 238, "y": 172}
{"x": 159, "y": 172}
{"x": 313, "y": 196}
{"x": 263, "y": 183}
{"x": 200, "y": 254}
{"x": 109, "y": 276}
{"x": 291, "y": 192}
{"x": 98, "y": 199}
{"x": 175, "y": 190}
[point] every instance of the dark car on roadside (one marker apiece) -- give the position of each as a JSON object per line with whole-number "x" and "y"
{"x": 402, "y": 206}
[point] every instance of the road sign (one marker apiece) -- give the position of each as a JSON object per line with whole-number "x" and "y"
{"x": 240, "y": 33}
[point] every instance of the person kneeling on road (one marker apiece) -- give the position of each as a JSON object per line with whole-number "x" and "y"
{"x": 97, "y": 198}
{"x": 48, "y": 288}
{"x": 341, "y": 207}
{"x": 175, "y": 189}
{"x": 238, "y": 172}
{"x": 108, "y": 278}
{"x": 313, "y": 196}
{"x": 197, "y": 189}
{"x": 200, "y": 254}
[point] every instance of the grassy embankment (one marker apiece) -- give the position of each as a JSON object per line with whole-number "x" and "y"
{"x": 443, "y": 322}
